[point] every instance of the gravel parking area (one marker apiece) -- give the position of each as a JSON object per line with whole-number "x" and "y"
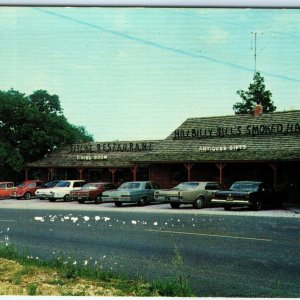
{"x": 152, "y": 208}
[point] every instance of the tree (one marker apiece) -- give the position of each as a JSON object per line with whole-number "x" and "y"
{"x": 256, "y": 93}
{"x": 31, "y": 127}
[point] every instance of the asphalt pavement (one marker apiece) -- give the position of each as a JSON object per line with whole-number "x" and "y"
{"x": 239, "y": 253}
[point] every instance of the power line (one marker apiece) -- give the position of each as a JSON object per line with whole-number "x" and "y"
{"x": 161, "y": 46}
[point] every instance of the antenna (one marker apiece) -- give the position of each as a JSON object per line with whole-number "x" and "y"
{"x": 255, "y": 53}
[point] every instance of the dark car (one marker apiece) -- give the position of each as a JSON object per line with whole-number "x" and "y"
{"x": 253, "y": 194}
{"x": 91, "y": 192}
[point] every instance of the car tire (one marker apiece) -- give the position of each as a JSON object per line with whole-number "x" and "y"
{"x": 81, "y": 201}
{"x": 256, "y": 205}
{"x": 67, "y": 198}
{"x": 199, "y": 203}
{"x": 27, "y": 196}
{"x": 227, "y": 207}
{"x": 142, "y": 202}
{"x": 175, "y": 205}
{"x": 98, "y": 199}
{"x": 118, "y": 204}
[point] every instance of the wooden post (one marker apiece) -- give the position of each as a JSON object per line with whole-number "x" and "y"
{"x": 134, "y": 171}
{"x": 274, "y": 168}
{"x": 189, "y": 167}
{"x": 51, "y": 172}
{"x": 80, "y": 173}
{"x": 112, "y": 171}
{"x": 26, "y": 173}
{"x": 221, "y": 167}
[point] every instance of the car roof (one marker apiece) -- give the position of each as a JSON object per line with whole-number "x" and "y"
{"x": 247, "y": 181}
{"x": 6, "y": 182}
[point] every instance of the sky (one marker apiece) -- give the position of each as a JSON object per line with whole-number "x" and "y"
{"x": 132, "y": 73}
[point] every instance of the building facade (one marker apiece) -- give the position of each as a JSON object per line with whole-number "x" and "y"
{"x": 224, "y": 148}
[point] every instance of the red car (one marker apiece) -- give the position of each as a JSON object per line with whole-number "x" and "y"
{"x": 91, "y": 192}
{"x": 26, "y": 189}
{"x": 6, "y": 188}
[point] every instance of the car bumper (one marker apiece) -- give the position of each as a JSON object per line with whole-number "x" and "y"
{"x": 231, "y": 202}
{"x": 168, "y": 199}
{"x": 116, "y": 199}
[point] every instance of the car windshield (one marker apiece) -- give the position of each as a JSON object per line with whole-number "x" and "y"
{"x": 49, "y": 184}
{"x": 130, "y": 186}
{"x": 22, "y": 185}
{"x": 2, "y": 185}
{"x": 63, "y": 184}
{"x": 90, "y": 186}
{"x": 244, "y": 186}
{"x": 187, "y": 185}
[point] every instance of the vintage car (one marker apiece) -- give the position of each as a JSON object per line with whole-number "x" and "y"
{"x": 45, "y": 185}
{"x": 61, "y": 190}
{"x": 91, "y": 192}
{"x": 6, "y": 188}
{"x": 197, "y": 193}
{"x": 140, "y": 192}
{"x": 253, "y": 194}
{"x": 26, "y": 189}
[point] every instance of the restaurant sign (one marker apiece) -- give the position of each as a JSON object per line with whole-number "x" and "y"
{"x": 112, "y": 147}
{"x": 236, "y": 131}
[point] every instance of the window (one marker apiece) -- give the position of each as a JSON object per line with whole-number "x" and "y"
{"x": 148, "y": 186}
{"x": 211, "y": 186}
{"x": 78, "y": 184}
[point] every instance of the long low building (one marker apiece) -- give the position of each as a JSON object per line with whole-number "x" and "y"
{"x": 223, "y": 148}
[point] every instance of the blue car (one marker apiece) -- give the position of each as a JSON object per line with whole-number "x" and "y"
{"x": 140, "y": 192}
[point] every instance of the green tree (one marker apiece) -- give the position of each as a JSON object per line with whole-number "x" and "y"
{"x": 31, "y": 127}
{"x": 256, "y": 93}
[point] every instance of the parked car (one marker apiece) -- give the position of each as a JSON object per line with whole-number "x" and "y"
{"x": 91, "y": 192}
{"x": 140, "y": 192}
{"x": 197, "y": 193}
{"x": 6, "y": 188}
{"x": 45, "y": 185}
{"x": 61, "y": 190}
{"x": 253, "y": 194}
{"x": 26, "y": 189}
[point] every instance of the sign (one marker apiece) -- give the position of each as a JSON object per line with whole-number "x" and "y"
{"x": 222, "y": 148}
{"x": 236, "y": 131}
{"x": 112, "y": 147}
{"x": 91, "y": 157}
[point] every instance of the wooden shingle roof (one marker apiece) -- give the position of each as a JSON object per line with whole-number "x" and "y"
{"x": 270, "y": 137}
{"x": 117, "y": 154}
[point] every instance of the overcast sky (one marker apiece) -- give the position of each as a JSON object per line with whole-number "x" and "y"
{"x": 138, "y": 73}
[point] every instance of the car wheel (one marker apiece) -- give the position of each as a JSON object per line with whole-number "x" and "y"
{"x": 227, "y": 207}
{"x": 98, "y": 199}
{"x": 142, "y": 202}
{"x": 256, "y": 205}
{"x": 67, "y": 198}
{"x": 81, "y": 201}
{"x": 27, "y": 196}
{"x": 175, "y": 205}
{"x": 199, "y": 203}
{"x": 118, "y": 204}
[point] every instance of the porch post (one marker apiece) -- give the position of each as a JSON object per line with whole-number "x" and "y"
{"x": 189, "y": 167}
{"x": 26, "y": 173}
{"x": 51, "y": 171}
{"x": 221, "y": 167}
{"x": 112, "y": 171}
{"x": 134, "y": 171}
{"x": 80, "y": 173}
{"x": 274, "y": 168}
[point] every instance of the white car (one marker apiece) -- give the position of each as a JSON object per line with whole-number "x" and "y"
{"x": 61, "y": 190}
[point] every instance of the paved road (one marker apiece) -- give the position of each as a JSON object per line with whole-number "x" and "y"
{"x": 228, "y": 254}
